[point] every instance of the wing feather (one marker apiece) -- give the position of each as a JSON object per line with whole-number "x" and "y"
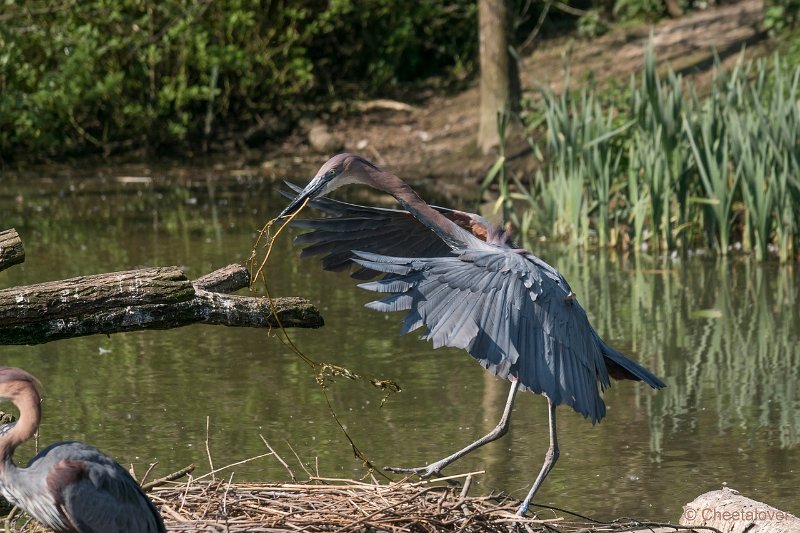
{"x": 510, "y": 310}
{"x": 390, "y": 232}
{"x": 510, "y": 314}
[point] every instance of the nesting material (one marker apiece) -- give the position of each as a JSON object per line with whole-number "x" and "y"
{"x": 325, "y": 504}
{"x": 342, "y": 505}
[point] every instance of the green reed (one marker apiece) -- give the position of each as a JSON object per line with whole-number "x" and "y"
{"x": 578, "y": 184}
{"x": 657, "y": 106}
{"x": 663, "y": 168}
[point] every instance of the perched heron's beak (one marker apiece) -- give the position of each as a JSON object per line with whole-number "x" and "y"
{"x": 312, "y": 190}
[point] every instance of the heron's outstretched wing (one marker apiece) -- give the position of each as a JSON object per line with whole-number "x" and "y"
{"x": 511, "y": 311}
{"x": 95, "y": 493}
{"x": 376, "y": 230}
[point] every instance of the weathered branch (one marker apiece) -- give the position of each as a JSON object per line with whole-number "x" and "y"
{"x": 247, "y": 311}
{"x": 11, "y": 250}
{"x": 227, "y": 279}
{"x": 148, "y": 298}
{"x": 83, "y": 295}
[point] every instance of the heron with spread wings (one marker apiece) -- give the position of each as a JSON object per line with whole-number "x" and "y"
{"x": 463, "y": 281}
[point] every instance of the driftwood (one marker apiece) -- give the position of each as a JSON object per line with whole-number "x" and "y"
{"x": 147, "y": 298}
{"x": 725, "y": 510}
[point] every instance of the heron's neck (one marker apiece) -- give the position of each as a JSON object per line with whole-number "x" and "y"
{"x": 387, "y": 182}
{"x": 29, "y": 416}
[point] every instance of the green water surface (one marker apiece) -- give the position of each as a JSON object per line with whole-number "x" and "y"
{"x": 722, "y": 333}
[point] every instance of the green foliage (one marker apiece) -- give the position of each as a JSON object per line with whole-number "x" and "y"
{"x": 642, "y": 10}
{"x": 781, "y": 15}
{"x": 115, "y": 74}
{"x": 662, "y": 169}
{"x": 592, "y": 24}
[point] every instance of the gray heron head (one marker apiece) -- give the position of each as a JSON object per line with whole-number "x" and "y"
{"x": 339, "y": 170}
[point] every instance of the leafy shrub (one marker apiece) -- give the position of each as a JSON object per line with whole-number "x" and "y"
{"x": 107, "y": 75}
{"x": 781, "y": 15}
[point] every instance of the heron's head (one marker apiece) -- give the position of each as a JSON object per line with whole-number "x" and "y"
{"x": 15, "y": 383}
{"x": 339, "y": 170}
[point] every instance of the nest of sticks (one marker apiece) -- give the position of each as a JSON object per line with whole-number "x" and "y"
{"x": 330, "y": 504}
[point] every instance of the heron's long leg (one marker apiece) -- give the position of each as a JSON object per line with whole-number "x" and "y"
{"x": 496, "y": 433}
{"x": 550, "y": 459}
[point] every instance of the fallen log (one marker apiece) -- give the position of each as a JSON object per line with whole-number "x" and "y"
{"x": 83, "y": 295}
{"x": 726, "y": 510}
{"x": 146, "y": 298}
{"x": 11, "y": 250}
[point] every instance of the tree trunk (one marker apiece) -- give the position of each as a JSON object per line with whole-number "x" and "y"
{"x": 499, "y": 85}
{"x": 674, "y": 8}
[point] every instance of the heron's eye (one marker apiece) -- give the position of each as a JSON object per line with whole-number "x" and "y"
{"x": 332, "y": 172}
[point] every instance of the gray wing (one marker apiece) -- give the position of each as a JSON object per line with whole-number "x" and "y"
{"x": 95, "y": 493}
{"x": 511, "y": 311}
{"x": 372, "y": 229}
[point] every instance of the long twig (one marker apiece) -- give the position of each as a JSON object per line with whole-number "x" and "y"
{"x": 166, "y": 479}
{"x": 237, "y": 463}
{"x": 324, "y": 370}
{"x": 278, "y": 457}
{"x": 208, "y": 449}
{"x": 146, "y": 472}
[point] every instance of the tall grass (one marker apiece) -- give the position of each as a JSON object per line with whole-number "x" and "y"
{"x": 664, "y": 166}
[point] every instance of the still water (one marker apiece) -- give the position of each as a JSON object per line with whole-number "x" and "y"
{"x": 723, "y": 334}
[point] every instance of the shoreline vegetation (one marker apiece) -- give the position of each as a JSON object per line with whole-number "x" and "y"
{"x": 656, "y": 163}
{"x": 659, "y": 166}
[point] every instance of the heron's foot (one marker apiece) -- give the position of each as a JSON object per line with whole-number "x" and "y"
{"x": 432, "y": 470}
{"x": 523, "y": 508}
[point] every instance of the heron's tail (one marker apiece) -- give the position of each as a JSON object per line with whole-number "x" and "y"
{"x": 622, "y": 367}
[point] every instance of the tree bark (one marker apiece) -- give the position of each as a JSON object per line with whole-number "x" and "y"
{"x": 148, "y": 298}
{"x": 500, "y": 84}
{"x": 727, "y": 511}
{"x": 11, "y": 250}
{"x": 87, "y": 294}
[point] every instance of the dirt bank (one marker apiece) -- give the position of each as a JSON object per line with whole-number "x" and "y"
{"x": 436, "y": 139}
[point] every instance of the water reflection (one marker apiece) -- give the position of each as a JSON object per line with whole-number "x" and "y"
{"x": 721, "y": 333}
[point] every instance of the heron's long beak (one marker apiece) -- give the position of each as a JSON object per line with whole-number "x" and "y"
{"x": 312, "y": 190}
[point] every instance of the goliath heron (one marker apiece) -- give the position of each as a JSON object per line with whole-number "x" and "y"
{"x": 68, "y": 486}
{"x": 462, "y": 279}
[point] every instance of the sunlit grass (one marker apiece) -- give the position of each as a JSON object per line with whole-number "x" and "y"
{"x": 657, "y": 166}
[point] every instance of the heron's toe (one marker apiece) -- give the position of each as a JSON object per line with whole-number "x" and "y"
{"x": 422, "y": 471}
